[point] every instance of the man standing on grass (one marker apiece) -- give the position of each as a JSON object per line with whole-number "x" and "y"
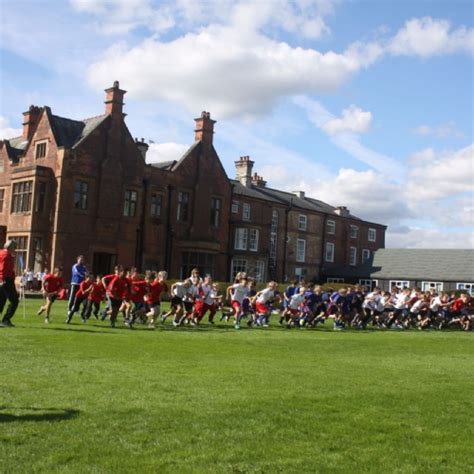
{"x": 7, "y": 283}
{"x": 79, "y": 271}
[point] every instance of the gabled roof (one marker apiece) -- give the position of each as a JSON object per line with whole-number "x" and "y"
{"x": 67, "y": 132}
{"x": 455, "y": 265}
{"x": 164, "y": 165}
{"x": 195, "y": 145}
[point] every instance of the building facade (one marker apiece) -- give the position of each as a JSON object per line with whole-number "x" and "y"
{"x": 70, "y": 187}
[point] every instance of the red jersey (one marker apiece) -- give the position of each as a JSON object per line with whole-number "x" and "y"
{"x": 83, "y": 287}
{"x": 97, "y": 293}
{"x": 457, "y": 305}
{"x": 52, "y": 283}
{"x": 7, "y": 265}
{"x": 138, "y": 290}
{"x": 154, "y": 295}
{"x": 118, "y": 288}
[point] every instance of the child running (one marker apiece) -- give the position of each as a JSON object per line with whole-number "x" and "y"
{"x": 52, "y": 285}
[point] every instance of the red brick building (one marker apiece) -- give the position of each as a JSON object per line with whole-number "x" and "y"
{"x": 70, "y": 187}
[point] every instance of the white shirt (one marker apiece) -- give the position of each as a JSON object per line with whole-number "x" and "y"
{"x": 296, "y": 301}
{"x": 240, "y": 292}
{"x": 179, "y": 290}
{"x": 401, "y": 301}
{"x": 266, "y": 295}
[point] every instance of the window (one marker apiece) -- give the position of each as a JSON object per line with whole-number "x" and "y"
{"x": 253, "y": 240}
{"x": 155, "y": 205}
{"x": 369, "y": 284}
{"x": 237, "y": 265}
{"x": 260, "y": 271}
{"x": 399, "y": 284}
{"x": 130, "y": 203}
{"x": 21, "y": 196}
{"x": 329, "y": 254}
{"x": 235, "y": 207}
{"x": 335, "y": 280}
{"x": 300, "y": 250}
{"x": 40, "y": 151}
{"x": 81, "y": 189}
{"x": 40, "y": 196}
{"x": 302, "y": 222}
{"x": 241, "y": 236}
{"x": 365, "y": 255}
{"x": 21, "y": 253}
{"x": 469, "y": 287}
{"x": 372, "y": 235}
{"x": 331, "y": 227}
{"x": 183, "y": 206}
{"x": 273, "y": 237}
{"x": 2, "y": 199}
{"x": 354, "y": 232}
{"x": 431, "y": 285}
{"x": 246, "y": 211}
{"x": 215, "y": 212}
{"x": 352, "y": 256}
{"x": 202, "y": 260}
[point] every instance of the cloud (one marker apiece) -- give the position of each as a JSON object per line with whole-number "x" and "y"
{"x": 337, "y": 130}
{"x": 159, "y": 152}
{"x": 353, "y": 119}
{"x": 6, "y": 131}
{"x": 427, "y": 37}
{"x": 419, "y": 237}
{"x": 444, "y": 175}
{"x": 447, "y": 130}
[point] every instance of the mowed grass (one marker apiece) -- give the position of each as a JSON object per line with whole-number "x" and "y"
{"x": 86, "y": 398}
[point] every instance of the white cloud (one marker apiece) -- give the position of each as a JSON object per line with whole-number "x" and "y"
{"x": 444, "y": 175}
{"x": 429, "y": 37}
{"x": 353, "y": 119}
{"x": 159, "y": 152}
{"x": 419, "y": 237}
{"x": 447, "y": 130}
{"x": 6, "y": 131}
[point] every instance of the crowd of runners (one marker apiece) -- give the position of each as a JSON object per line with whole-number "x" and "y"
{"x": 136, "y": 299}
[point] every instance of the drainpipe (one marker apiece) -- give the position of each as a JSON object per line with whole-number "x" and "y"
{"x": 285, "y": 248}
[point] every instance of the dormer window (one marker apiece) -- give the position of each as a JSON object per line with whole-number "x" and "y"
{"x": 40, "y": 150}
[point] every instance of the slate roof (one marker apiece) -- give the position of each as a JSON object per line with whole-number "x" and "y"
{"x": 455, "y": 265}
{"x": 68, "y": 133}
{"x": 252, "y": 192}
{"x": 164, "y": 165}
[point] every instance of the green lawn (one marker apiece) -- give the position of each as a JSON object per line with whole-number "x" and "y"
{"x": 86, "y": 398}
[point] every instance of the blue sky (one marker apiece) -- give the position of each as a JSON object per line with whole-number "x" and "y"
{"x": 367, "y": 104}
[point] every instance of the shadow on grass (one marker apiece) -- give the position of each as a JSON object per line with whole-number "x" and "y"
{"x": 36, "y": 414}
{"x": 73, "y": 329}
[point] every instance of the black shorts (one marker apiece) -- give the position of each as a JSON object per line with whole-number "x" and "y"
{"x": 52, "y": 298}
{"x": 176, "y": 301}
{"x": 188, "y": 306}
{"x": 115, "y": 304}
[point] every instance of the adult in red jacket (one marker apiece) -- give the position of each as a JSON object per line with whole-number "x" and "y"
{"x": 7, "y": 283}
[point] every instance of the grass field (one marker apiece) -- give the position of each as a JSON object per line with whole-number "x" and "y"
{"x": 85, "y": 398}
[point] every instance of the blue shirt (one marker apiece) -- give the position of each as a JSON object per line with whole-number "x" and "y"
{"x": 78, "y": 274}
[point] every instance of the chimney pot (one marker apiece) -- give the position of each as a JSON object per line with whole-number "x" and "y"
{"x": 30, "y": 121}
{"x": 114, "y": 101}
{"x": 204, "y": 130}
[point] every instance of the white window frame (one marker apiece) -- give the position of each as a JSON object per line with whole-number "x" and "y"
{"x": 246, "y": 211}
{"x": 368, "y": 283}
{"x": 334, "y": 280}
{"x": 354, "y": 231}
{"x": 399, "y": 284}
{"x": 369, "y": 234}
{"x": 235, "y": 207}
{"x": 365, "y": 255}
{"x": 241, "y": 238}
{"x": 238, "y": 265}
{"x": 253, "y": 240}
{"x": 469, "y": 287}
{"x": 330, "y": 227}
{"x": 300, "y": 251}
{"x": 353, "y": 256}
{"x": 260, "y": 271}
{"x": 429, "y": 285}
{"x": 329, "y": 245}
{"x": 302, "y": 222}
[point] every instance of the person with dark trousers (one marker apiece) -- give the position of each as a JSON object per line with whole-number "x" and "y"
{"x": 79, "y": 271}
{"x": 7, "y": 283}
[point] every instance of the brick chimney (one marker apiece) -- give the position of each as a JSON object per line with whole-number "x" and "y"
{"x": 243, "y": 168}
{"x": 258, "y": 180}
{"x": 114, "y": 101}
{"x": 204, "y": 128}
{"x": 142, "y": 146}
{"x": 300, "y": 194}
{"x": 30, "y": 121}
{"x": 342, "y": 211}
